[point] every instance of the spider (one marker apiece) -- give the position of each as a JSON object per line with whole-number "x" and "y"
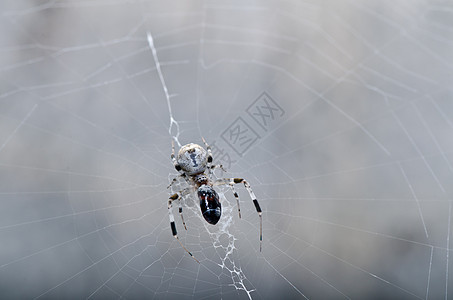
{"x": 194, "y": 164}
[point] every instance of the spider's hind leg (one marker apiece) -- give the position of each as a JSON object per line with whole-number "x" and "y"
{"x": 173, "y": 158}
{"x": 209, "y": 165}
{"x": 209, "y": 152}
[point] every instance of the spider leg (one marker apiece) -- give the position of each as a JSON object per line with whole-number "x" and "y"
{"x": 257, "y": 206}
{"x": 218, "y": 166}
{"x": 180, "y": 213}
{"x": 181, "y": 196}
{"x": 183, "y": 175}
{"x": 209, "y": 165}
{"x": 237, "y": 198}
{"x": 173, "y": 158}
{"x": 231, "y": 182}
{"x": 172, "y": 222}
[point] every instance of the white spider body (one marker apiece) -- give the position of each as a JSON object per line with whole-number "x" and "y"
{"x": 192, "y": 159}
{"x": 195, "y": 165}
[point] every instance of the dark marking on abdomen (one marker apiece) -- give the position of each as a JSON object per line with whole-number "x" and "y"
{"x": 193, "y": 156}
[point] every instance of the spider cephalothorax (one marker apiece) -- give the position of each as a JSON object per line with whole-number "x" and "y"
{"x": 193, "y": 162}
{"x": 201, "y": 179}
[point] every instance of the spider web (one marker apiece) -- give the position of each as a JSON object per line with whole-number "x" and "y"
{"x": 350, "y": 158}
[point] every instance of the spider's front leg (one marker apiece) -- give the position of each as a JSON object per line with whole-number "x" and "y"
{"x": 231, "y": 182}
{"x": 172, "y": 198}
{"x": 180, "y": 196}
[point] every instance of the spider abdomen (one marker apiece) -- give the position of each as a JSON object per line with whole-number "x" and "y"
{"x": 209, "y": 204}
{"x": 192, "y": 159}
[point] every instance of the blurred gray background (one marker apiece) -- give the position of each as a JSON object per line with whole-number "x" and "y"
{"x": 338, "y": 113}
